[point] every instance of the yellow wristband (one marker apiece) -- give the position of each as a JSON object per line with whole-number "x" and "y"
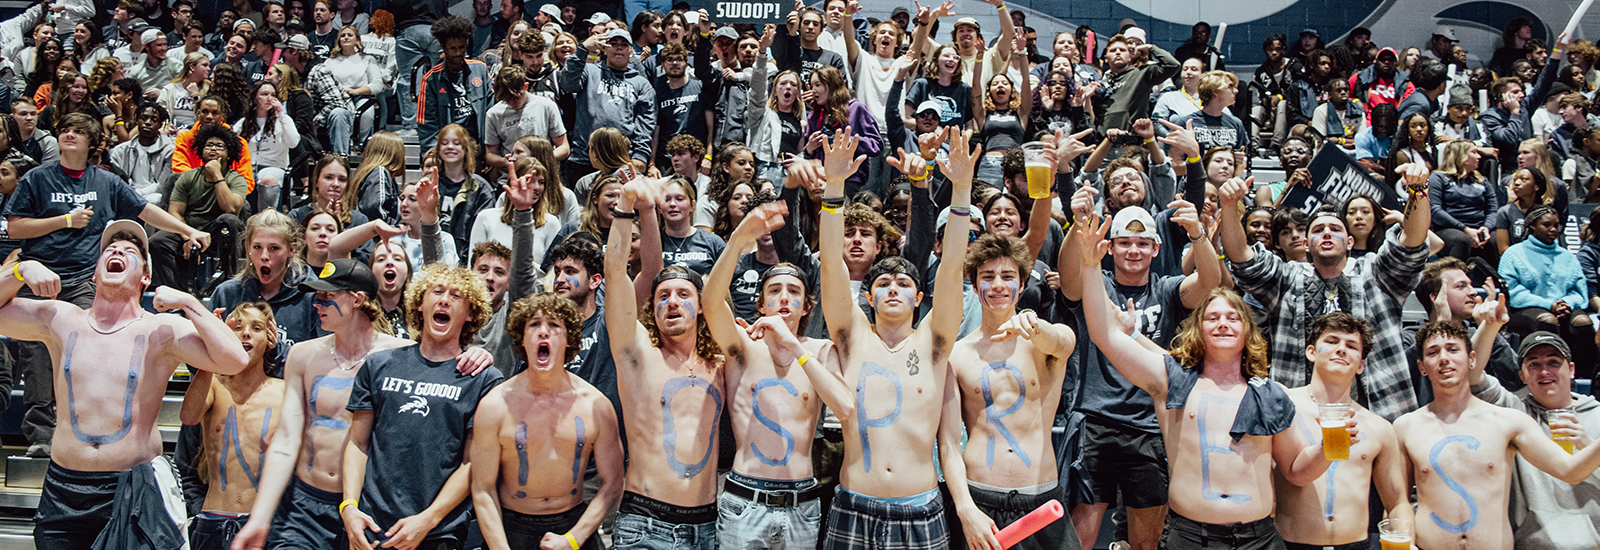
{"x": 830, "y": 210}
{"x": 68, "y": 216}
{"x": 1222, "y": 256}
{"x": 914, "y": 178}
{"x": 347, "y": 502}
{"x": 571, "y": 540}
{"x": 802, "y": 360}
{"x": 16, "y": 270}
{"x": 1192, "y": 160}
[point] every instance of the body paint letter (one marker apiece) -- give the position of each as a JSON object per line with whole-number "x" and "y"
{"x": 869, "y": 368}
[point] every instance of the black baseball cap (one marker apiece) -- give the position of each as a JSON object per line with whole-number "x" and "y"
{"x": 343, "y": 274}
{"x": 1543, "y": 338}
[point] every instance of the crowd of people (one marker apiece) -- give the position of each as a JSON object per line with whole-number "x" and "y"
{"x": 690, "y": 323}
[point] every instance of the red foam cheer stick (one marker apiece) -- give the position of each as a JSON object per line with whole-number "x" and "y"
{"x": 1030, "y": 524}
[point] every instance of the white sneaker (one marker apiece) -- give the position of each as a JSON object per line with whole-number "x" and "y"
{"x": 406, "y": 133}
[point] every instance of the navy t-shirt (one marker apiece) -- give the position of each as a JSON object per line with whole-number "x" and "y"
{"x": 1106, "y": 393}
{"x": 422, "y": 413}
{"x": 47, "y": 192}
{"x": 593, "y": 362}
{"x": 955, "y": 100}
{"x": 1217, "y": 131}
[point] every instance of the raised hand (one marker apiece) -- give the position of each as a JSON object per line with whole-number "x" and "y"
{"x": 1068, "y": 148}
{"x": 944, "y": 9}
{"x": 1082, "y": 204}
{"x": 928, "y": 144}
{"x": 763, "y": 219}
{"x": 167, "y": 298}
{"x": 1144, "y": 128}
{"x": 1234, "y": 190}
{"x": 1491, "y": 309}
{"x": 428, "y": 197}
{"x": 767, "y": 33}
{"x": 837, "y": 163}
{"x": 803, "y": 173}
{"x": 1187, "y": 217}
{"x": 1094, "y": 245}
{"x": 1128, "y": 319}
{"x": 1414, "y": 177}
{"x": 519, "y": 189}
{"x": 958, "y": 167}
{"x": 910, "y": 165}
{"x": 1180, "y": 138}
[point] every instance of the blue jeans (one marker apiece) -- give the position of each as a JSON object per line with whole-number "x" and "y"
{"x": 340, "y": 123}
{"x": 635, "y": 531}
{"x": 411, "y": 44}
{"x": 743, "y": 524}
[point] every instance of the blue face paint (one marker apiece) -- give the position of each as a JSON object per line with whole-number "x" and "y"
{"x": 1455, "y": 487}
{"x": 330, "y": 303}
{"x": 994, "y": 413}
{"x": 1206, "y": 448}
{"x": 869, "y": 368}
{"x": 881, "y": 294}
{"x": 319, "y": 420}
{"x": 1009, "y": 299}
{"x": 230, "y": 435}
{"x": 575, "y": 282}
{"x": 669, "y": 429}
{"x": 127, "y": 398}
{"x": 688, "y": 308}
{"x": 577, "y": 455}
{"x": 521, "y": 440}
{"x": 788, "y": 438}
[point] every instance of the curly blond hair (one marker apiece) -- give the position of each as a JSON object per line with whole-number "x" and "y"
{"x": 459, "y": 278}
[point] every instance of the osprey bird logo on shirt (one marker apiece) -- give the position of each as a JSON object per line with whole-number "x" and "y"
{"x": 417, "y": 405}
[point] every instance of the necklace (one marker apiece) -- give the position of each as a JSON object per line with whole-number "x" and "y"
{"x": 117, "y": 329}
{"x": 346, "y": 364}
{"x": 897, "y": 347}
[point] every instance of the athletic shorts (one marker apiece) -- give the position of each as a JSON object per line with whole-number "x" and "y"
{"x": 1119, "y": 460}
{"x": 1183, "y": 533}
{"x": 307, "y": 519}
{"x": 140, "y": 507}
{"x": 1007, "y": 507}
{"x": 216, "y": 531}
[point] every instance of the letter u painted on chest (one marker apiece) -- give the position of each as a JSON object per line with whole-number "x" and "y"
{"x": 127, "y": 399}
{"x": 669, "y": 429}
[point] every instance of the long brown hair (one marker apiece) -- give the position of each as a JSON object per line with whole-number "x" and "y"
{"x": 540, "y": 148}
{"x": 835, "y": 107}
{"x": 589, "y": 221}
{"x": 350, "y": 188}
{"x": 1189, "y": 346}
{"x": 524, "y": 166}
{"x": 704, "y": 345}
{"x": 383, "y": 150}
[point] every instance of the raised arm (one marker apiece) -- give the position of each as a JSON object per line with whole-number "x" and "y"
{"x": 1068, "y": 258}
{"x": 1145, "y": 368}
{"x": 1543, "y": 453}
{"x": 838, "y": 303}
{"x": 1235, "y": 243}
{"x": 945, "y": 318}
{"x": 650, "y": 261}
{"x": 205, "y": 341}
{"x": 1207, "y": 266}
{"x": 520, "y": 197}
{"x": 350, "y": 239}
{"x": 1414, "y": 230}
{"x": 622, "y": 308}
{"x": 718, "y": 312}
{"x": 1007, "y": 30}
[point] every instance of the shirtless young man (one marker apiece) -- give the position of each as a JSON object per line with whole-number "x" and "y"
{"x": 406, "y": 472}
{"x": 770, "y": 492}
{"x": 228, "y": 410}
{"x": 1217, "y": 410}
{"x": 309, "y": 443}
{"x": 670, "y": 379}
{"x": 571, "y": 423}
{"x": 125, "y": 358}
{"x": 1010, "y": 372}
{"x": 1331, "y": 512}
{"x": 1459, "y": 448}
{"x": 895, "y": 492}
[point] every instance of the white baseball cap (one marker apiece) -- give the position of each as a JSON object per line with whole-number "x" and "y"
{"x": 1133, "y": 222}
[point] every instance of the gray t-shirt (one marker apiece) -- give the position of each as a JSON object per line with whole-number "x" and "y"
{"x": 538, "y": 116}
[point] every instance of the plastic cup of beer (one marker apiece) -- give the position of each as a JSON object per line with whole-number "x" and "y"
{"x": 1335, "y": 440}
{"x": 1557, "y": 415}
{"x": 1395, "y": 534}
{"x": 1038, "y": 169}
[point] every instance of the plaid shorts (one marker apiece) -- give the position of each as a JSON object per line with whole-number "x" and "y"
{"x": 861, "y": 522}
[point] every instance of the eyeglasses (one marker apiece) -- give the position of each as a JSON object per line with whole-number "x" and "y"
{"x": 215, "y": 145}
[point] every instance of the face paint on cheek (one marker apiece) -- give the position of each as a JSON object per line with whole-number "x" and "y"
{"x": 332, "y": 304}
{"x": 688, "y": 308}
{"x": 881, "y": 294}
{"x": 573, "y": 281}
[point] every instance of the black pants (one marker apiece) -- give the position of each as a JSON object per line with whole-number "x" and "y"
{"x": 74, "y": 507}
{"x": 36, "y": 369}
{"x": 172, "y": 269}
{"x": 1186, "y": 534}
{"x": 526, "y": 530}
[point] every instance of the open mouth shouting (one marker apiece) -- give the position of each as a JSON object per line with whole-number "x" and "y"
{"x": 542, "y": 353}
{"x": 440, "y": 320}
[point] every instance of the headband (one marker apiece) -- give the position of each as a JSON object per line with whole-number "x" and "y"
{"x": 782, "y": 270}
{"x": 685, "y": 274}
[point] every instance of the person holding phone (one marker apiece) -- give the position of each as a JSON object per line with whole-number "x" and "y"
{"x": 1507, "y": 119}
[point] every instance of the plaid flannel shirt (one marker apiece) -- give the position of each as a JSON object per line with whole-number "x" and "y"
{"x": 1379, "y": 284}
{"x": 326, "y": 93}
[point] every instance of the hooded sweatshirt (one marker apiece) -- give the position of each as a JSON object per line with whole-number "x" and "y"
{"x": 292, "y": 309}
{"x": 1125, "y": 96}
{"x": 623, "y": 99}
{"x": 1548, "y": 513}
